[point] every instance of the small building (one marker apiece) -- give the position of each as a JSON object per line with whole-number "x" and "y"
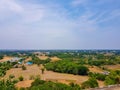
{"x": 15, "y": 59}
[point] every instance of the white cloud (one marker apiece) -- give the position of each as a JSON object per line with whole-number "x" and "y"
{"x": 10, "y": 5}
{"x": 78, "y": 2}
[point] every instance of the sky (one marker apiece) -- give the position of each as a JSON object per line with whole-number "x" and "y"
{"x": 59, "y": 24}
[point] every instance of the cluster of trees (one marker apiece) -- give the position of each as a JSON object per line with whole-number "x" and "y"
{"x": 97, "y": 76}
{"x": 96, "y": 58}
{"x": 113, "y": 78}
{"x": 101, "y": 62}
{"x": 7, "y": 85}
{"x": 4, "y": 67}
{"x": 48, "y": 85}
{"x": 64, "y": 66}
{"x": 90, "y": 83}
{"x": 1, "y": 57}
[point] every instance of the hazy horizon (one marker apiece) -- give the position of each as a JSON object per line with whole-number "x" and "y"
{"x": 59, "y": 24}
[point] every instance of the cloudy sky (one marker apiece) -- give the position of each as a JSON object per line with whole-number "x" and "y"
{"x": 59, "y": 24}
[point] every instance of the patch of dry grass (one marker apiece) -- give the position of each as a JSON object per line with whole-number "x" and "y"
{"x": 6, "y": 58}
{"x": 95, "y": 69}
{"x": 113, "y": 67}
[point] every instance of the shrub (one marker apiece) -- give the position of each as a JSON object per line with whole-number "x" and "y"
{"x": 91, "y": 83}
{"x": 23, "y": 67}
{"x": 32, "y": 77}
{"x": 11, "y": 76}
{"x": 21, "y": 78}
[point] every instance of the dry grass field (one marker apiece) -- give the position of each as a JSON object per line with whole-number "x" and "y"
{"x": 53, "y": 59}
{"x": 24, "y": 84}
{"x": 34, "y": 70}
{"x": 6, "y": 58}
{"x": 113, "y": 67}
{"x": 95, "y": 69}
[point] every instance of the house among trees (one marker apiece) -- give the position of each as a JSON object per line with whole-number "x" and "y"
{"x": 15, "y": 59}
{"x": 106, "y": 73}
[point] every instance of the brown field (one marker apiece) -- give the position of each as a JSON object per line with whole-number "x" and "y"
{"x": 53, "y": 59}
{"x": 24, "y": 84}
{"x": 28, "y": 59}
{"x": 17, "y": 72}
{"x": 43, "y": 57}
{"x": 65, "y": 78}
{"x": 113, "y": 67}
{"x": 6, "y": 58}
{"x": 95, "y": 69}
{"x": 34, "y": 70}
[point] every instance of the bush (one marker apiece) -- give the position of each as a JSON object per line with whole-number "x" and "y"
{"x": 21, "y": 78}
{"x": 91, "y": 83}
{"x": 23, "y": 67}
{"x": 98, "y": 76}
{"x": 47, "y": 85}
{"x": 11, "y": 76}
{"x": 32, "y": 77}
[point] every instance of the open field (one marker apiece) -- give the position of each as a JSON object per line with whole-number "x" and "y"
{"x": 95, "y": 69}
{"x": 53, "y": 59}
{"x": 35, "y": 70}
{"x": 17, "y": 72}
{"x": 26, "y": 83}
{"x": 6, "y": 58}
{"x": 113, "y": 67}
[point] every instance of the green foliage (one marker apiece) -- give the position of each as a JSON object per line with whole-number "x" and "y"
{"x": 44, "y": 85}
{"x": 67, "y": 67}
{"x": 98, "y": 76}
{"x": 21, "y": 78}
{"x": 7, "y": 85}
{"x": 23, "y": 67}
{"x": 1, "y": 57}
{"x": 113, "y": 78}
{"x": 11, "y": 76}
{"x": 91, "y": 83}
{"x": 4, "y": 67}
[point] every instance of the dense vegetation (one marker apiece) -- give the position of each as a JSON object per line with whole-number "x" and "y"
{"x": 113, "y": 78}
{"x": 90, "y": 83}
{"x": 47, "y": 85}
{"x": 67, "y": 67}
{"x": 1, "y": 57}
{"x": 4, "y": 67}
{"x": 7, "y": 84}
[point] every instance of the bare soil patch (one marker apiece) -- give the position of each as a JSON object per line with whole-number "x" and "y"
{"x": 54, "y": 59}
{"x": 24, "y": 84}
{"x": 6, "y": 58}
{"x": 33, "y": 70}
{"x": 95, "y": 69}
{"x": 113, "y": 67}
{"x": 65, "y": 78}
{"x": 43, "y": 57}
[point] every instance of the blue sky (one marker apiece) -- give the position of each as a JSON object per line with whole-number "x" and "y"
{"x": 59, "y": 24}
